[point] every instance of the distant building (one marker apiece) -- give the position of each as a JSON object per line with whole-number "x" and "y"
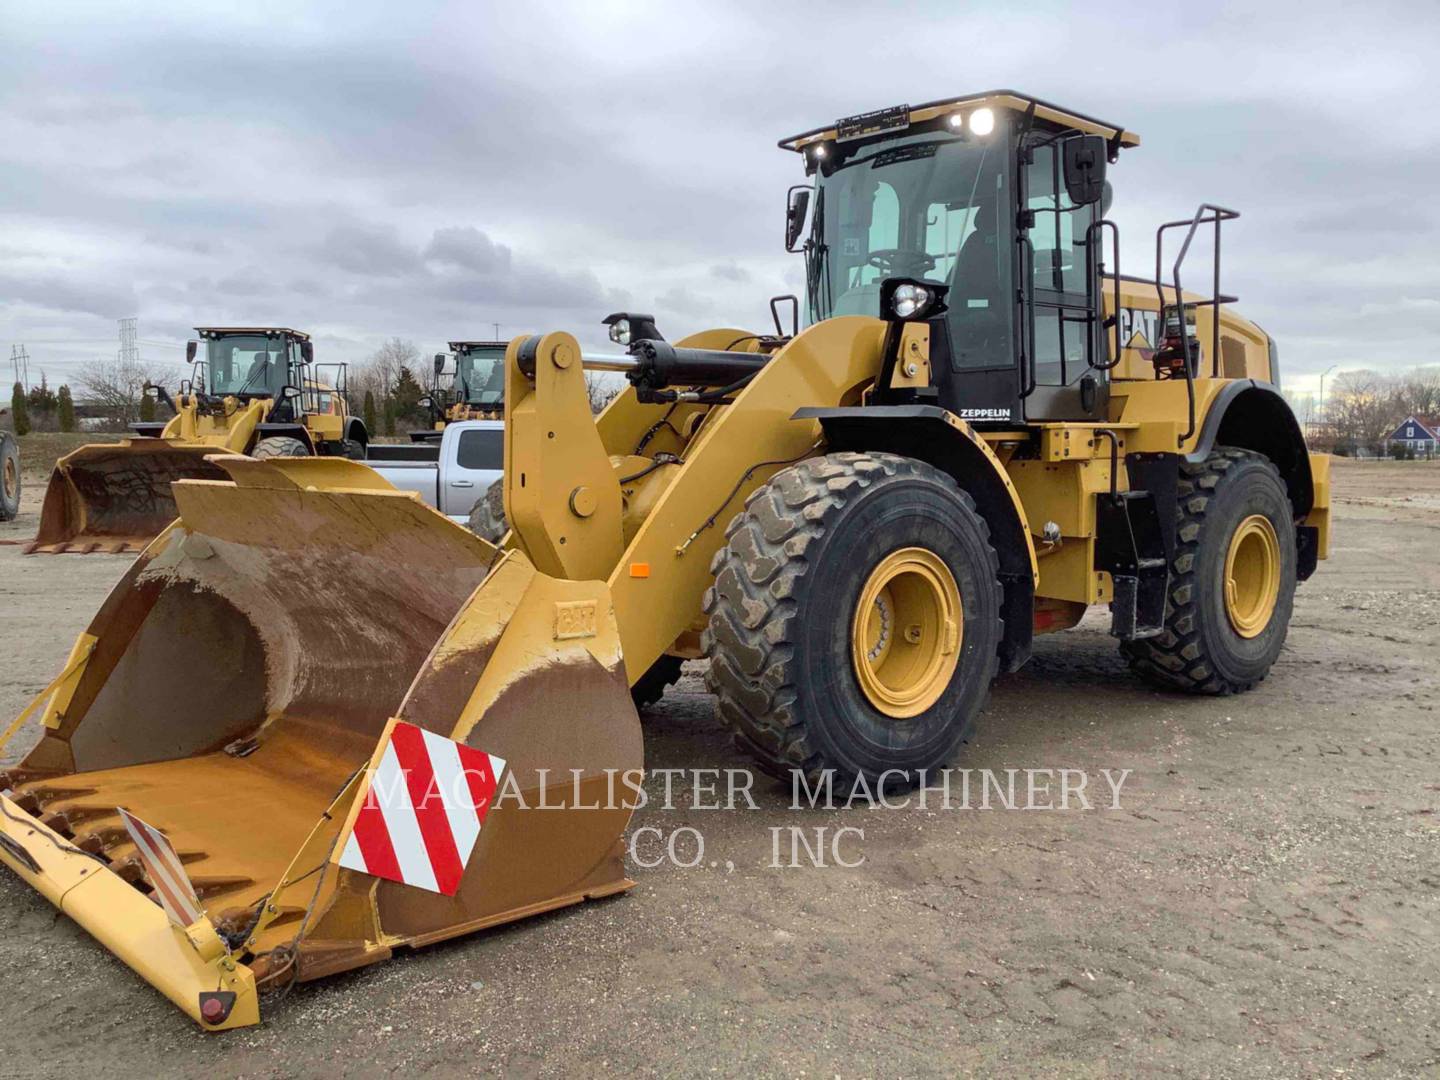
{"x": 1419, "y": 433}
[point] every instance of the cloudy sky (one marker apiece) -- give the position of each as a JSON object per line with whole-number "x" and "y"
{"x": 363, "y": 170}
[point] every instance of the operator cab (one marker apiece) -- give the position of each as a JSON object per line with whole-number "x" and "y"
{"x": 256, "y": 362}
{"x": 983, "y": 217}
{"x": 479, "y": 373}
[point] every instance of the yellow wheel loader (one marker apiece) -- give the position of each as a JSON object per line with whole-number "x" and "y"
{"x": 982, "y": 430}
{"x": 470, "y": 388}
{"x": 256, "y": 391}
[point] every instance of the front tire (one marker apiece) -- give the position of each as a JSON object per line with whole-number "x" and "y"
{"x": 277, "y": 446}
{"x": 659, "y": 677}
{"x": 854, "y": 619}
{"x": 487, "y": 516}
{"x": 9, "y": 476}
{"x": 1232, "y": 582}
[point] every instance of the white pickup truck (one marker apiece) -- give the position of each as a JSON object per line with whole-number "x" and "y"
{"x": 451, "y": 473}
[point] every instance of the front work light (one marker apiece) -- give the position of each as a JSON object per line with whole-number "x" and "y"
{"x": 628, "y": 327}
{"x": 908, "y": 300}
{"x": 982, "y": 122}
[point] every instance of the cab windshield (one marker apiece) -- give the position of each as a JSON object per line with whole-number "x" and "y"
{"x": 480, "y": 376}
{"x": 930, "y": 206}
{"x": 247, "y": 364}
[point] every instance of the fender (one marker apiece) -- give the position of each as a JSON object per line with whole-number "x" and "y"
{"x": 355, "y": 431}
{"x": 937, "y": 436}
{"x": 293, "y": 431}
{"x": 1251, "y": 414}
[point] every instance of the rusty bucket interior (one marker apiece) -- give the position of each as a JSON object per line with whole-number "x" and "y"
{"x": 114, "y": 497}
{"x": 244, "y": 668}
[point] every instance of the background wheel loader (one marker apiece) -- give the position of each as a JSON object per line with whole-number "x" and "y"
{"x": 256, "y": 391}
{"x": 980, "y": 433}
{"x": 471, "y": 387}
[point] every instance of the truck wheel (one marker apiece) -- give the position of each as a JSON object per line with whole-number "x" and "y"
{"x": 663, "y": 674}
{"x": 9, "y": 476}
{"x": 352, "y": 449}
{"x": 855, "y": 619}
{"x": 1232, "y": 584}
{"x": 487, "y": 516}
{"x": 280, "y": 446}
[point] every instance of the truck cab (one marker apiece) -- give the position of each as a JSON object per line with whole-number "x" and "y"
{"x": 451, "y": 472}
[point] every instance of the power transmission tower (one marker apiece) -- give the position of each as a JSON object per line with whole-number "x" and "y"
{"x": 20, "y": 363}
{"x": 129, "y": 348}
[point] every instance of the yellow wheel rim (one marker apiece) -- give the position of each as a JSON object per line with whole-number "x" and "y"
{"x": 1252, "y": 575}
{"x": 905, "y": 635}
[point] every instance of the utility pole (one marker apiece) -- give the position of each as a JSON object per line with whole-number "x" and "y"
{"x": 1320, "y": 409}
{"x": 497, "y": 332}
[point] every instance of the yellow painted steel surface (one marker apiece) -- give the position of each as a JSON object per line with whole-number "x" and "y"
{"x": 308, "y": 607}
{"x": 1252, "y": 575}
{"x": 906, "y": 634}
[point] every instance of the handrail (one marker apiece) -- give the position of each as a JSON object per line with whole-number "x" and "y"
{"x": 1095, "y": 272}
{"x": 1220, "y": 214}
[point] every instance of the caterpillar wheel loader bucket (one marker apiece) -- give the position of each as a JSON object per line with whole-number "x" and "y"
{"x": 116, "y": 497}
{"x": 235, "y": 685}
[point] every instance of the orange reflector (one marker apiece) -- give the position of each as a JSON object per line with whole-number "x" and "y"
{"x": 639, "y": 569}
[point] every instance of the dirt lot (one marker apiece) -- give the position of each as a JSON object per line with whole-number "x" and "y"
{"x": 1266, "y": 902}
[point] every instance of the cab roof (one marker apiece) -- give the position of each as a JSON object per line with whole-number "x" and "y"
{"x": 456, "y": 346}
{"x": 297, "y": 334}
{"x": 901, "y": 116}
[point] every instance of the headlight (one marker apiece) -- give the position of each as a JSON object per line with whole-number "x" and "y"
{"x": 620, "y": 331}
{"x": 909, "y": 300}
{"x": 982, "y": 122}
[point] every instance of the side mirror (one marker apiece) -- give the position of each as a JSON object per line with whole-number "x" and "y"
{"x": 1084, "y": 157}
{"x": 797, "y": 203}
{"x": 307, "y": 352}
{"x": 439, "y": 363}
{"x": 191, "y": 347}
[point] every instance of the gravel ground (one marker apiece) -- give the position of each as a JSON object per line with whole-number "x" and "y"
{"x": 1266, "y": 902}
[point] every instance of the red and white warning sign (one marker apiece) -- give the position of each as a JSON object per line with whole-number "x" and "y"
{"x": 420, "y": 810}
{"x": 165, "y": 871}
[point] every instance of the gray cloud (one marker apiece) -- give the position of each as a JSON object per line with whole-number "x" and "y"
{"x": 369, "y": 250}
{"x": 377, "y": 171}
{"x": 468, "y": 248}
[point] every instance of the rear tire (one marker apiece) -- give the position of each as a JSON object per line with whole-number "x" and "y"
{"x": 1216, "y": 639}
{"x": 277, "y": 446}
{"x": 663, "y": 674}
{"x": 487, "y": 516}
{"x": 794, "y": 594}
{"x": 9, "y": 476}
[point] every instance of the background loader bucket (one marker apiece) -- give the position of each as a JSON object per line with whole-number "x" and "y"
{"x": 241, "y": 673}
{"x": 116, "y": 496}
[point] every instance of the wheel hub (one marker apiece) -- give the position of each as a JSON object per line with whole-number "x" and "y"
{"x": 12, "y": 478}
{"x": 906, "y": 631}
{"x": 1252, "y": 576}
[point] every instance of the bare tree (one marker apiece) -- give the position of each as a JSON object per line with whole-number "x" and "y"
{"x": 601, "y": 390}
{"x": 116, "y": 387}
{"x": 379, "y": 372}
{"x": 1419, "y": 392}
{"x": 1363, "y": 408}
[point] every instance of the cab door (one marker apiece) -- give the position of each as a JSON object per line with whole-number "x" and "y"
{"x": 1061, "y": 293}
